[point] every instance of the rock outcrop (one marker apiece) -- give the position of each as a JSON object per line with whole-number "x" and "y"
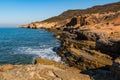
{"x": 76, "y": 21}
{"x": 109, "y": 46}
{"x": 82, "y": 55}
{"x": 40, "y": 72}
{"x": 90, "y": 38}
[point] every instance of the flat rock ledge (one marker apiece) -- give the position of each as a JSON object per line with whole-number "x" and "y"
{"x": 40, "y": 72}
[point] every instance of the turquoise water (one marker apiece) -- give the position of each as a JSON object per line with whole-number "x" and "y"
{"x": 22, "y": 46}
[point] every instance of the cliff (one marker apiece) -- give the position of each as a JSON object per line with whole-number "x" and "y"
{"x": 90, "y": 38}
{"x": 113, "y": 7}
{"x": 97, "y": 13}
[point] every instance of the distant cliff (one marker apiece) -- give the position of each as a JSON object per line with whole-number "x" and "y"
{"x": 113, "y": 7}
{"x": 87, "y": 16}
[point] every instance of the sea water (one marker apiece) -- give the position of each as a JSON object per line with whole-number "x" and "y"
{"x": 22, "y": 46}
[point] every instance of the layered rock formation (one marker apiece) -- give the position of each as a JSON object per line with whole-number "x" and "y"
{"x": 82, "y": 55}
{"x": 88, "y": 16}
{"x": 40, "y": 72}
{"x": 90, "y": 39}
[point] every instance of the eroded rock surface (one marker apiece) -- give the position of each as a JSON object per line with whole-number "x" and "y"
{"x": 90, "y": 38}
{"x": 82, "y": 55}
{"x": 40, "y": 72}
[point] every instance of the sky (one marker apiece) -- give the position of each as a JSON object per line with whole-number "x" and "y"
{"x": 19, "y": 12}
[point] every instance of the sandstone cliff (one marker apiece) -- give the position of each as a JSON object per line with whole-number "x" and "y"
{"x": 92, "y": 15}
{"x": 90, "y": 38}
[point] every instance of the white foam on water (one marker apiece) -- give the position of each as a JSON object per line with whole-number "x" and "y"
{"x": 47, "y": 53}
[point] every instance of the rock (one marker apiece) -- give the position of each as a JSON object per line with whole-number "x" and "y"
{"x": 6, "y": 67}
{"x": 115, "y": 68}
{"x": 82, "y": 21}
{"x": 89, "y": 40}
{"x": 91, "y": 35}
{"x": 49, "y": 62}
{"x": 100, "y": 74}
{"x": 42, "y": 72}
{"x": 78, "y": 21}
{"x": 80, "y": 55}
{"x": 109, "y": 46}
{"x": 116, "y": 20}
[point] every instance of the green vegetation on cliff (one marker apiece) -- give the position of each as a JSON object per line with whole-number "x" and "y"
{"x": 113, "y": 7}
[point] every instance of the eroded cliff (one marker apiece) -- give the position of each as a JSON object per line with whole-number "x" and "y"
{"x": 90, "y": 38}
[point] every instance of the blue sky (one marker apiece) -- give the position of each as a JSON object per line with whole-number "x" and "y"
{"x": 18, "y": 12}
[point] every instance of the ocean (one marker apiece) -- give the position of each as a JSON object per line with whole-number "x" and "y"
{"x": 22, "y": 46}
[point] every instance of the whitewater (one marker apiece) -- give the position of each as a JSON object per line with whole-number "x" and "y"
{"x": 23, "y": 46}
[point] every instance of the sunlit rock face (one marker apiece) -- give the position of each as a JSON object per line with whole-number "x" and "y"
{"x": 90, "y": 38}
{"x": 46, "y": 71}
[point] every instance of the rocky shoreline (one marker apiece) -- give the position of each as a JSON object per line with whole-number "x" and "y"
{"x": 90, "y": 44}
{"x": 43, "y": 70}
{"x": 89, "y": 48}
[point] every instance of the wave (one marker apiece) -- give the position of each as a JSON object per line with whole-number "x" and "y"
{"x": 43, "y": 52}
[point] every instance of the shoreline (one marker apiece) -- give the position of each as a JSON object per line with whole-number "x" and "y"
{"x": 74, "y": 61}
{"x": 89, "y": 45}
{"x": 84, "y": 48}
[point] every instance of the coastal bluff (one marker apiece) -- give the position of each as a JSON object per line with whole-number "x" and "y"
{"x": 89, "y": 16}
{"x": 90, "y": 39}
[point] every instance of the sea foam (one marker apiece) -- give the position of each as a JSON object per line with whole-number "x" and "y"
{"x": 43, "y": 52}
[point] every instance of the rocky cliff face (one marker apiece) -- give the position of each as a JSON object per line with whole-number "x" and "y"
{"x": 82, "y": 55}
{"x": 77, "y": 21}
{"x": 90, "y": 39}
{"x": 88, "y": 16}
